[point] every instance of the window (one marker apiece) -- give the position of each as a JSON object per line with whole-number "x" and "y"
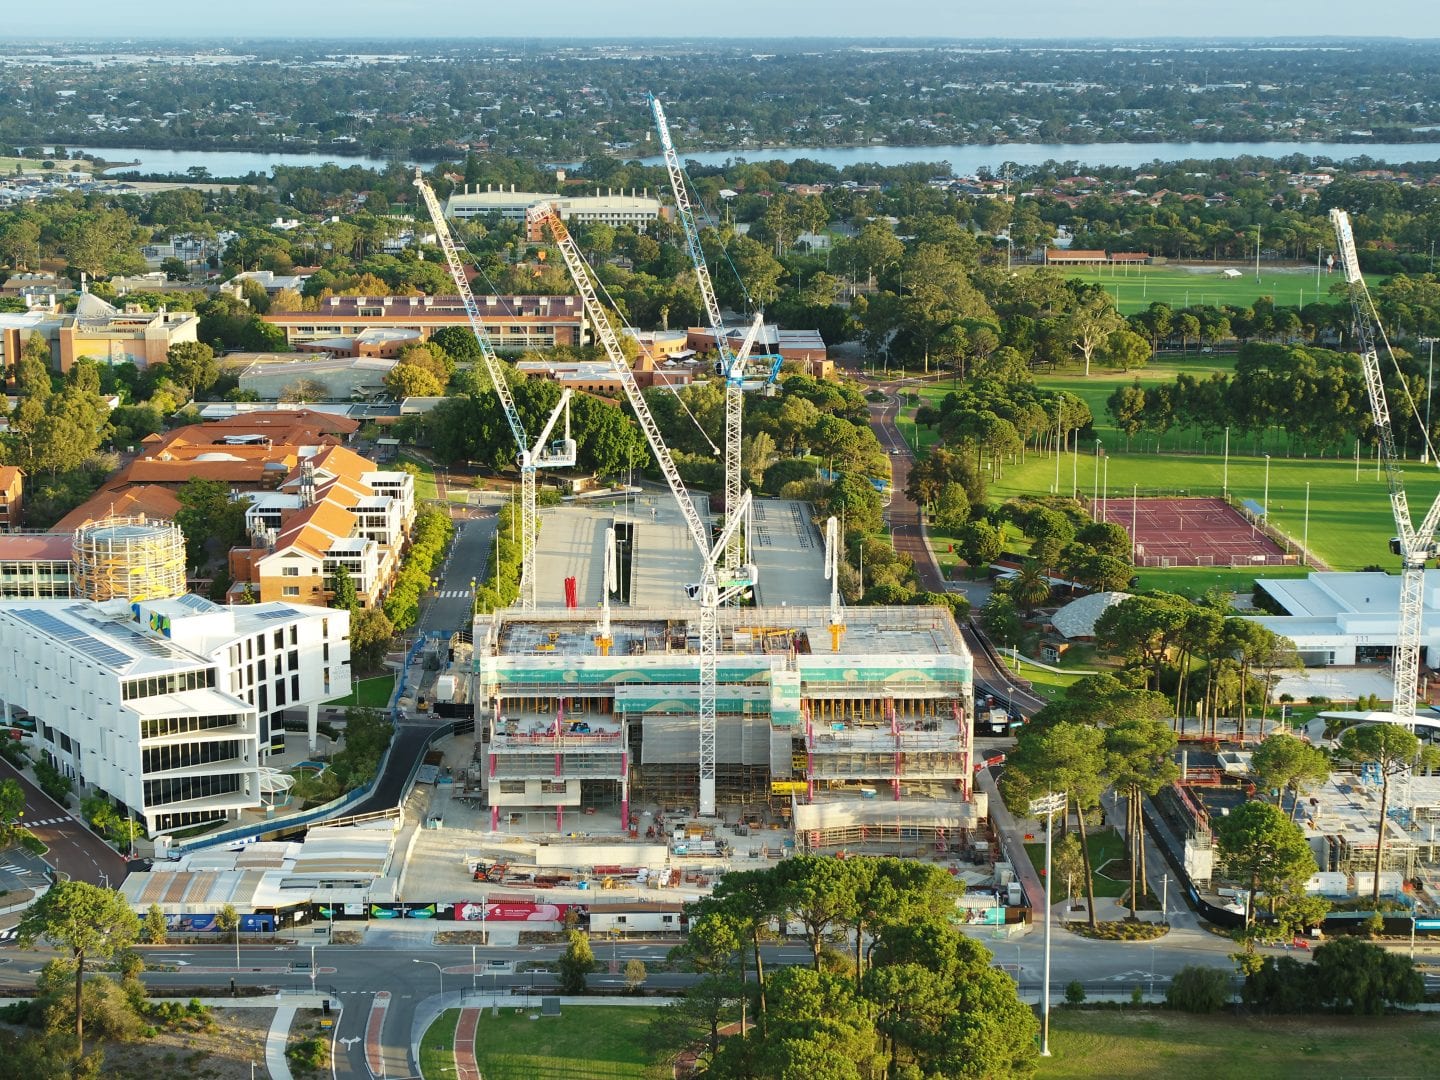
{"x": 294, "y": 635}
{"x": 292, "y": 660}
{"x": 294, "y": 687}
{"x": 290, "y": 571}
{"x": 512, "y": 787}
{"x": 290, "y": 590}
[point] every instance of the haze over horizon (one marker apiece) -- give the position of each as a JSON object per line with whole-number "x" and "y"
{"x": 757, "y": 20}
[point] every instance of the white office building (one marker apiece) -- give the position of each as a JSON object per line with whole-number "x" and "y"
{"x": 1348, "y": 618}
{"x": 167, "y": 707}
{"x": 613, "y": 208}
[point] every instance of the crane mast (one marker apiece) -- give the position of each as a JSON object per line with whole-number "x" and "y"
{"x": 560, "y": 455}
{"x": 712, "y": 590}
{"x": 732, "y": 364}
{"x": 832, "y": 575}
{"x": 1415, "y": 546}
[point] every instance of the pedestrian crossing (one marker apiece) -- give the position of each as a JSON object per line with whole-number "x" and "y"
{"x": 452, "y": 594}
{"x": 52, "y": 821}
{"x": 12, "y": 868}
{"x": 9, "y": 935}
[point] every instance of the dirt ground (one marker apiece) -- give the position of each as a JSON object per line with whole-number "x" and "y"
{"x": 224, "y": 1054}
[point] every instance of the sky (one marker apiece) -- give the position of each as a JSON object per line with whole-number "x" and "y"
{"x": 754, "y": 19}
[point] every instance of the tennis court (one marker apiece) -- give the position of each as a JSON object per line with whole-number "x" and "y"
{"x": 1191, "y": 532}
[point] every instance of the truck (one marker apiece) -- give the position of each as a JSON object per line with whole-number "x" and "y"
{"x": 445, "y": 688}
{"x": 991, "y": 718}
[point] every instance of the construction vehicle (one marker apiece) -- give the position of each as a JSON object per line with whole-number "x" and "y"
{"x": 543, "y": 454}
{"x": 711, "y": 591}
{"x": 732, "y": 363}
{"x": 491, "y": 872}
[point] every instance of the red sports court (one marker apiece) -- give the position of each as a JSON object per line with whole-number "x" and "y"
{"x": 1191, "y": 532}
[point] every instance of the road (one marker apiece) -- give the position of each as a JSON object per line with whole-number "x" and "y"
{"x": 75, "y": 851}
{"x": 450, "y": 606}
{"x": 908, "y": 536}
{"x": 356, "y": 976}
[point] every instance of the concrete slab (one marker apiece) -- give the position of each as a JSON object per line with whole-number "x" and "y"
{"x": 790, "y": 554}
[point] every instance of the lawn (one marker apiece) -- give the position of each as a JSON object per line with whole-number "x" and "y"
{"x": 425, "y": 490}
{"x": 588, "y": 1042}
{"x": 1119, "y": 1045}
{"x": 1136, "y": 288}
{"x": 368, "y": 693}
{"x": 1104, "y": 845}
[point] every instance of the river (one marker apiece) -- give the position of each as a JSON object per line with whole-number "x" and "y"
{"x": 964, "y": 160}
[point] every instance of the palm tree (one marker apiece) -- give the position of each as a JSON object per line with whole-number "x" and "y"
{"x": 1031, "y": 586}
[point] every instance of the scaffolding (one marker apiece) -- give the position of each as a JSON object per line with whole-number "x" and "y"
{"x": 129, "y": 558}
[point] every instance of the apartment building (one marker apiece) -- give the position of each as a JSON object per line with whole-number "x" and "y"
{"x": 12, "y": 497}
{"x": 167, "y": 707}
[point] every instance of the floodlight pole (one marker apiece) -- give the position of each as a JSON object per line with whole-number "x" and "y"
{"x": 1049, "y": 805}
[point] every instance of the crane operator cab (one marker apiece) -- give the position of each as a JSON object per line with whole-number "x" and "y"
{"x": 559, "y": 452}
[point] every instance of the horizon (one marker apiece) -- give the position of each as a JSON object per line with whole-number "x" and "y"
{"x": 741, "y": 21}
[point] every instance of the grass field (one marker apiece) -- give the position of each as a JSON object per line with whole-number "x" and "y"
{"x": 425, "y": 490}
{"x": 1136, "y": 288}
{"x": 588, "y": 1042}
{"x": 1104, "y": 846}
{"x": 369, "y": 693}
{"x": 1126, "y": 1045}
{"x": 1349, "y": 520}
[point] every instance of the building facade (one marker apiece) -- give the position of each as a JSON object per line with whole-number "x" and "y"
{"x": 616, "y": 209}
{"x": 167, "y": 707}
{"x": 514, "y": 323}
{"x": 872, "y": 741}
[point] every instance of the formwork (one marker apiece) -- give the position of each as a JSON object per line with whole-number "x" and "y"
{"x": 130, "y": 558}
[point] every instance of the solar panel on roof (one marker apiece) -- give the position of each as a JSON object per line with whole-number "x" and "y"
{"x": 71, "y": 635}
{"x": 278, "y": 613}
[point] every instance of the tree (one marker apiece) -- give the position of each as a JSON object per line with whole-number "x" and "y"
{"x": 635, "y": 975}
{"x": 952, "y": 508}
{"x": 1067, "y": 862}
{"x": 89, "y": 922}
{"x": 206, "y": 514}
{"x": 1354, "y": 976}
{"x": 1091, "y": 322}
{"x": 408, "y": 380}
{"x": 1126, "y": 350}
{"x": 1392, "y": 749}
{"x": 1265, "y": 850}
{"x": 1031, "y": 586}
{"x": 1285, "y": 763}
{"x": 980, "y": 543}
{"x": 576, "y": 962}
{"x": 1198, "y": 989}
{"x": 1139, "y": 761}
{"x": 192, "y": 364}
{"x": 342, "y": 591}
{"x": 1066, "y": 757}
{"x": 819, "y": 893}
{"x": 370, "y": 634}
{"x": 226, "y": 920}
{"x": 12, "y": 808}
{"x": 155, "y": 929}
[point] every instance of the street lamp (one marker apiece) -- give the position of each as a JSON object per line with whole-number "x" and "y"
{"x": 1267, "y": 491}
{"x": 437, "y": 967}
{"x": 1050, "y": 805}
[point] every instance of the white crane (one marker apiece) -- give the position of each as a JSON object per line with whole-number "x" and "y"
{"x": 1415, "y": 546}
{"x": 713, "y": 589}
{"x": 832, "y": 575}
{"x": 540, "y": 455}
{"x": 732, "y": 363}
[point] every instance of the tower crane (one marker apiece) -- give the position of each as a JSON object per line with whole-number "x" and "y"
{"x": 542, "y": 454}
{"x": 1415, "y": 545}
{"x": 714, "y": 588}
{"x": 732, "y": 363}
{"x": 832, "y": 575}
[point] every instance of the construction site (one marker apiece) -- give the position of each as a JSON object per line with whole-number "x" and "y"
{"x": 867, "y": 746}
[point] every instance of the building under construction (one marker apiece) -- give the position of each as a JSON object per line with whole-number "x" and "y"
{"x": 867, "y": 745}
{"x": 130, "y": 558}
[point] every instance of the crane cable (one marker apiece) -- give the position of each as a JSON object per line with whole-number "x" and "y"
{"x": 1410, "y": 401}
{"x": 480, "y": 272}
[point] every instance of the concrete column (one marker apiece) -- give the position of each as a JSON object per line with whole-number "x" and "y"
{"x": 560, "y": 819}
{"x": 312, "y": 725}
{"x": 494, "y": 819}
